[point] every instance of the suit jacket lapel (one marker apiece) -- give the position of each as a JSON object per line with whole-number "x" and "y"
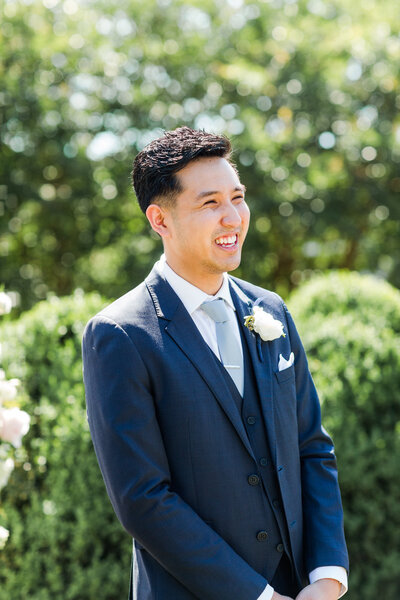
{"x": 181, "y": 328}
{"x": 261, "y": 358}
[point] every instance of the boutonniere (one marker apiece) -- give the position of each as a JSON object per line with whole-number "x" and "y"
{"x": 264, "y": 324}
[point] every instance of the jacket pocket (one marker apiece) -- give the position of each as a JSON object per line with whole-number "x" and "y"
{"x": 285, "y": 375}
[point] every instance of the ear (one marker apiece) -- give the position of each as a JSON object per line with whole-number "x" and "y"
{"x": 156, "y": 216}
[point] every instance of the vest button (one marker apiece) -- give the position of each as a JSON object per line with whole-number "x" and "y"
{"x": 262, "y": 536}
{"x": 280, "y": 547}
{"x": 275, "y": 503}
{"x": 251, "y": 420}
{"x": 263, "y": 461}
{"x": 253, "y": 479}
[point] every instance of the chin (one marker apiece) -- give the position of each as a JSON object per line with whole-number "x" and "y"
{"x": 231, "y": 265}
{"x": 218, "y": 264}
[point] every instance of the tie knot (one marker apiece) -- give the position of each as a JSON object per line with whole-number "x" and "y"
{"x": 216, "y": 309}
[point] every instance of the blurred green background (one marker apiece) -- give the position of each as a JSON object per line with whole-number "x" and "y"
{"x": 308, "y": 92}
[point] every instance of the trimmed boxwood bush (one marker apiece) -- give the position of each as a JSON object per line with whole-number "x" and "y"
{"x": 350, "y": 326}
{"x": 65, "y": 541}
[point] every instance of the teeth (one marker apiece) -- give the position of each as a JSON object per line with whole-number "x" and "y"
{"x": 226, "y": 240}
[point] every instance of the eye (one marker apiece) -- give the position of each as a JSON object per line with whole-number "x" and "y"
{"x": 238, "y": 198}
{"x": 209, "y": 202}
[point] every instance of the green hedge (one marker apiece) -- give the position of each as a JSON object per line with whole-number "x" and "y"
{"x": 350, "y": 327}
{"x": 65, "y": 541}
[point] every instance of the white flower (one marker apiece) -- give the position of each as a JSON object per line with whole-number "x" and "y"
{"x": 5, "y": 303}
{"x": 6, "y": 467}
{"x": 8, "y": 388}
{"x": 14, "y": 423}
{"x": 4, "y": 533}
{"x": 264, "y": 324}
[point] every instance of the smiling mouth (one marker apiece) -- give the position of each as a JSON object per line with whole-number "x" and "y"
{"x": 228, "y": 241}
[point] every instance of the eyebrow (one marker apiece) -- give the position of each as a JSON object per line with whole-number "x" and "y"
{"x": 241, "y": 188}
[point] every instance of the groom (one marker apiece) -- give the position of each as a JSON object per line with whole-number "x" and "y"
{"x": 206, "y": 424}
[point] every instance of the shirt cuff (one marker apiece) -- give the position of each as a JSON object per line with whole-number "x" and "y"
{"x": 267, "y": 593}
{"x": 338, "y": 573}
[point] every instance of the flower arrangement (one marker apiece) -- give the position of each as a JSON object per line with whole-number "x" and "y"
{"x": 14, "y": 423}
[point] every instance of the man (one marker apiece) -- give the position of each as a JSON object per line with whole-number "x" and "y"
{"x": 203, "y": 413}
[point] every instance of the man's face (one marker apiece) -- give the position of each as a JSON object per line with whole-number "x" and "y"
{"x": 209, "y": 221}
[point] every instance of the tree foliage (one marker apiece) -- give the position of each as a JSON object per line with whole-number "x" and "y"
{"x": 350, "y": 326}
{"x": 307, "y": 90}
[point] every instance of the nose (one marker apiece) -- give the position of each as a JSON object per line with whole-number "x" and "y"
{"x": 231, "y": 216}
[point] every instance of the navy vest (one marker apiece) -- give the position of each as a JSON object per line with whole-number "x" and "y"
{"x": 264, "y": 479}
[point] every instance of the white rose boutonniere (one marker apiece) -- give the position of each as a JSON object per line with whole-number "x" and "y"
{"x": 264, "y": 324}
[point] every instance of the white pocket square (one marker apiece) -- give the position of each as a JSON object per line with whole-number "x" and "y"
{"x": 285, "y": 364}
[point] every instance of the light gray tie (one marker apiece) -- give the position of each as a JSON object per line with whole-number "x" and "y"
{"x": 228, "y": 345}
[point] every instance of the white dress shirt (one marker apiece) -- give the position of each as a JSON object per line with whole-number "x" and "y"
{"x": 192, "y": 297}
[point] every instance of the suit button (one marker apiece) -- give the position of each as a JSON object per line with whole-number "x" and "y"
{"x": 276, "y": 503}
{"x": 253, "y": 479}
{"x": 251, "y": 420}
{"x": 262, "y": 536}
{"x": 280, "y": 547}
{"x": 263, "y": 461}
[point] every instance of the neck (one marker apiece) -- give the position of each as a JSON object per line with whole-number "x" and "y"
{"x": 209, "y": 283}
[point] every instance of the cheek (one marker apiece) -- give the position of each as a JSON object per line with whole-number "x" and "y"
{"x": 245, "y": 215}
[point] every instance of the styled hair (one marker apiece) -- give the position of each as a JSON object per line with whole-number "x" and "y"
{"x": 155, "y": 167}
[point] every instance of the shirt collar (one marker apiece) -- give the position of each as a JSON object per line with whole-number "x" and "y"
{"x": 191, "y": 296}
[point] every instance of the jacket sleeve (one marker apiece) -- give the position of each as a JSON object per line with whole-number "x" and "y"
{"x": 130, "y": 451}
{"x": 324, "y": 541}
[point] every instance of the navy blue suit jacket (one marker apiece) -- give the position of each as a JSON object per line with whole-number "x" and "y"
{"x": 174, "y": 454}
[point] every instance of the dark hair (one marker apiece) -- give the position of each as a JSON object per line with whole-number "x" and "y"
{"x": 154, "y": 168}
